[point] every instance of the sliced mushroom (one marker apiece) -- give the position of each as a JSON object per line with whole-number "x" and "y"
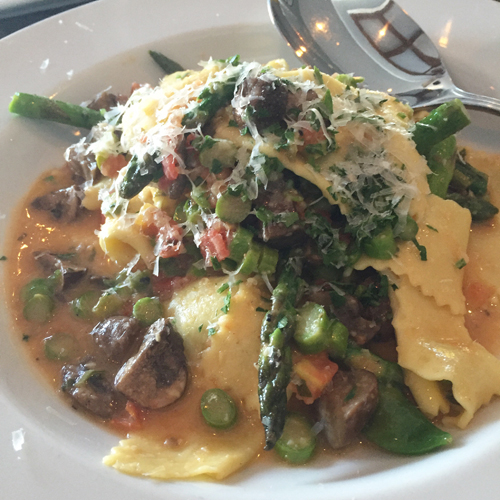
{"x": 266, "y": 98}
{"x": 64, "y": 204}
{"x": 157, "y": 375}
{"x": 51, "y": 262}
{"x": 82, "y": 163}
{"x": 92, "y": 388}
{"x": 347, "y": 404}
{"x": 277, "y": 234}
{"x": 116, "y": 336}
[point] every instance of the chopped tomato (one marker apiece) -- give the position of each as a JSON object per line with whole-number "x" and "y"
{"x": 112, "y": 165}
{"x": 215, "y": 242}
{"x": 170, "y": 167}
{"x": 312, "y": 136}
{"x": 130, "y": 419}
{"x": 315, "y": 371}
{"x": 167, "y": 232}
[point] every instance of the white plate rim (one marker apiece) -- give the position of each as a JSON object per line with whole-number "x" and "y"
{"x": 473, "y": 470}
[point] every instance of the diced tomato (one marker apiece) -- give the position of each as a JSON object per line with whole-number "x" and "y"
{"x": 312, "y": 136}
{"x": 170, "y": 167}
{"x": 168, "y": 234}
{"x": 130, "y": 419}
{"x": 112, "y": 165}
{"x": 215, "y": 242}
{"x": 315, "y": 370}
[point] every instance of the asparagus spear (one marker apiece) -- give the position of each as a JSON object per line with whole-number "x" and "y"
{"x": 140, "y": 172}
{"x": 479, "y": 208}
{"x": 442, "y": 122}
{"x": 397, "y": 425}
{"x": 165, "y": 63}
{"x": 441, "y": 161}
{"x": 43, "y": 108}
{"x": 275, "y": 360}
{"x": 467, "y": 178}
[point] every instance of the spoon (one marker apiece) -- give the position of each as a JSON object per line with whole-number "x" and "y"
{"x": 375, "y": 39}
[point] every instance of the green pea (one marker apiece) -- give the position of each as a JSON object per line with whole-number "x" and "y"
{"x": 39, "y": 308}
{"x": 218, "y": 409}
{"x": 297, "y": 443}
{"x": 381, "y": 246}
{"x": 148, "y": 310}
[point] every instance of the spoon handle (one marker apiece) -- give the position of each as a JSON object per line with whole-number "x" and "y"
{"x": 470, "y": 100}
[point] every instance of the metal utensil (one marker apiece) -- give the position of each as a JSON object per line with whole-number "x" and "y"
{"x": 375, "y": 39}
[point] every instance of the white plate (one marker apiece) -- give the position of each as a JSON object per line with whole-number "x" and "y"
{"x": 75, "y": 55}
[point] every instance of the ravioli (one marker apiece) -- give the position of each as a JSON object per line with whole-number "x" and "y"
{"x": 182, "y": 446}
{"x": 434, "y": 344}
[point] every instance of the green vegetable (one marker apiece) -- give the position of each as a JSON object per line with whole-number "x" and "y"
{"x": 127, "y": 283}
{"x": 349, "y": 80}
{"x": 467, "y": 178}
{"x": 479, "y": 208}
{"x": 362, "y": 359}
{"x": 275, "y": 360}
{"x": 297, "y": 443}
{"x": 212, "y": 98}
{"x": 60, "y": 347}
{"x": 109, "y": 304}
{"x": 400, "y": 427}
{"x": 381, "y": 246}
{"x": 313, "y": 328}
{"x": 166, "y": 64}
{"x": 441, "y": 161}
{"x": 140, "y": 172}
{"x": 218, "y": 409}
{"x": 83, "y": 305}
{"x": 148, "y": 310}
{"x": 409, "y": 231}
{"x": 251, "y": 259}
{"x": 41, "y": 286}
{"x": 240, "y": 244}
{"x": 258, "y": 259}
{"x": 397, "y": 425}
{"x": 232, "y": 208}
{"x": 268, "y": 260}
{"x": 39, "y": 308}
{"x": 442, "y": 122}
{"x": 216, "y": 154}
{"x": 43, "y": 108}
{"x": 337, "y": 340}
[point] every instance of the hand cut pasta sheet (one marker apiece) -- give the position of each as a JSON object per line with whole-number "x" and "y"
{"x": 249, "y": 257}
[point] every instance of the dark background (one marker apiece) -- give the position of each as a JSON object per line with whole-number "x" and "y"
{"x": 10, "y": 24}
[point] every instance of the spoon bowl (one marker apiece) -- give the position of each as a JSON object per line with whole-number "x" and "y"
{"x": 375, "y": 39}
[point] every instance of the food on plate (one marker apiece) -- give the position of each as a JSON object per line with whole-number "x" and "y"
{"x": 250, "y": 257}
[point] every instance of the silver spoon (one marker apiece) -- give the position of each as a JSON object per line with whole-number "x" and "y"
{"x": 375, "y": 39}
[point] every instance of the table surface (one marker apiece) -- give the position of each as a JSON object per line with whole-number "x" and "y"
{"x": 28, "y": 14}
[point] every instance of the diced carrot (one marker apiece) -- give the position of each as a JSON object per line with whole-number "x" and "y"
{"x": 316, "y": 370}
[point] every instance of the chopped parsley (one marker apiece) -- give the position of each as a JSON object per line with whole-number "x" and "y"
{"x": 460, "y": 264}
